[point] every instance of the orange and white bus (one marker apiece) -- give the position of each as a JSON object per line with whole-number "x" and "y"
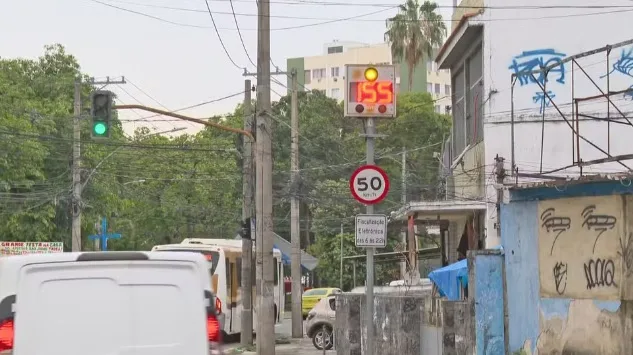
{"x": 225, "y": 268}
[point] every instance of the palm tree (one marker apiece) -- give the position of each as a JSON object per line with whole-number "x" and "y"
{"x": 415, "y": 31}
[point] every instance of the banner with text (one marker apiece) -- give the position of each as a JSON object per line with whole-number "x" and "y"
{"x": 24, "y": 248}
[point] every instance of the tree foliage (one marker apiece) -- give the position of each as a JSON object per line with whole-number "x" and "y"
{"x": 154, "y": 189}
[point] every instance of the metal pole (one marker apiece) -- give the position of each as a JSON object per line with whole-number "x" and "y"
{"x": 295, "y": 230}
{"x": 403, "y": 236}
{"x": 369, "y": 314}
{"x": 247, "y": 210}
{"x": 266, "y": 331}
{"x": 340, "y": 281}
{"x": 76, "y": 200}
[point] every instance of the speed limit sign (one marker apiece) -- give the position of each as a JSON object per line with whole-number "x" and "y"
{"x": 369, "y": 184}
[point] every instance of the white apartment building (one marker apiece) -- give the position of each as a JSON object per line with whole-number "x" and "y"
{"x": 326, "y": 72}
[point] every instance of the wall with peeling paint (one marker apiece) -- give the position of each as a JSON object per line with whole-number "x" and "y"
{"x": 591, "y": 315}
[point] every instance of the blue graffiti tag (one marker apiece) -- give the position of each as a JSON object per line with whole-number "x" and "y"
{"x": 528, "y": 61}
{"x": 624, "y": 65}
{"x": 541, "y": 99}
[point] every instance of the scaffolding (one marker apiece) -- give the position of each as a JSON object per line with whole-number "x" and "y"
{"x": 572, "y": 120}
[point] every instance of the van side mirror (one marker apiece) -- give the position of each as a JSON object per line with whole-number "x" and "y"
{"x": 333, "y": 304}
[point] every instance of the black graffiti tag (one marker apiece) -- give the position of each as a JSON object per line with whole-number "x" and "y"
{"x": 597, "y": 222}
{"x": 560, "y": 277}
{"x": 626, "y": 253}
{"x": 600, "y": 273}
{"x": 552, "y": 223}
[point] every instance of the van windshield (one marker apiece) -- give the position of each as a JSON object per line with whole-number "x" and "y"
{"x": 212, "y": 256}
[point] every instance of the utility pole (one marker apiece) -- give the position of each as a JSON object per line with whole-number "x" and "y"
{"x": 370, "y": 136}
{"x": 340, "y": 281}
{"x": 76, "y": 200}
{"x": 265, "y": 317}
{"x": 247, "y": 213}
{"x": 76, "y": 170}
{"x": 295, "y": 236}
{"x": 403, "y": 236}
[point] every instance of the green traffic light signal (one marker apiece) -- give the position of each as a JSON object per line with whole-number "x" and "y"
{"x": 100, "y": 128}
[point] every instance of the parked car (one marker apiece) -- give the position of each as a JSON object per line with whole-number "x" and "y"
{"x": 311, "y": 297}
{"x": 320, "y": 323}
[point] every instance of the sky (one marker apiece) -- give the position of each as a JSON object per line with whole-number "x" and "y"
{"x": 170, "y": 53}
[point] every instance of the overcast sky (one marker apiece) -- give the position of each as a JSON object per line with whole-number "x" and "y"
{"x": 182, "y": 63}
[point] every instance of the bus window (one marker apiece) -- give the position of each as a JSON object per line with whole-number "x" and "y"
{"x": 212, "y": 256}
{"x": 276, "y": 268}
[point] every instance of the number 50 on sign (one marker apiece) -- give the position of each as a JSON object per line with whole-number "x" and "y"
{"x": 369, "y": 184}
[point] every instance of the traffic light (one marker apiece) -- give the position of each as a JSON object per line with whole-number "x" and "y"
{"x": 245, "y": 231}
{"x": 101, "y": 112}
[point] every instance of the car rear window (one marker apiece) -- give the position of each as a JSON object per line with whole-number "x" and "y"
{"x": 315, "y": 292}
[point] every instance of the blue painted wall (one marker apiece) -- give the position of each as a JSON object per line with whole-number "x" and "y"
{"x": 519, "y": 233}
{"x": 489, "y": 327}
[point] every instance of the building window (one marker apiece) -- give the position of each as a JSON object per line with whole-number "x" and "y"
{"x": 429, "y": 65}
{"x": 321, "y": 91}
{"x": 318, "y": 73}
{"x": 336, "y": 93}
{"x": 437, "y": 89}
{"x": 337, "y": 49}
{"x": 447, "y": 89}
{"x": 306, "y": 77}
{"x": 429, "y": 87}
{"x": 438, "y": 108}
{"x": 334, "y": 72}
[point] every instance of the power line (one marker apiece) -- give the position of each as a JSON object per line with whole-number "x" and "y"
{"x": 220, "y": 37}
{"x": 237, "y": 26}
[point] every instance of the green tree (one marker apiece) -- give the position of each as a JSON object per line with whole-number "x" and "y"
{"x": 414, "y": 32}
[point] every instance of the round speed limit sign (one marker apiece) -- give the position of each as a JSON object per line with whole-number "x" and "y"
{"x": 369, "y": 184}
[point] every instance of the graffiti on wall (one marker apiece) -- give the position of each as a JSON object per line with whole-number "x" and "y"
{"x": 523, "y": 64}
{"x": 580, "y": 249}
{"x": 624, "y": 65}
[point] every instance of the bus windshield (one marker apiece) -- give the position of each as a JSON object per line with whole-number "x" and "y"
{"x": 212, "y": 256}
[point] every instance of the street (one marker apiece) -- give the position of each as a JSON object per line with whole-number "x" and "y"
{"x": 284, "y": 331}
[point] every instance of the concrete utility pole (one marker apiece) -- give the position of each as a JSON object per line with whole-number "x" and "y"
{"x": 340, "y": 281}
{"x": 370, "y": 134}
{"x": 295, "y": 236}
{"x": 265, "y": 316}
{"x": 247, "y": 212}
{"x": 403, "y": 237}
{"x": 76, "y": 200}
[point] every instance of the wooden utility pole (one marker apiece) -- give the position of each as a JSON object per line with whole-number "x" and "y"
{"x": 295, "y": 236}
{"x": 264, "y": 229}
{"x": 247, "y": 214}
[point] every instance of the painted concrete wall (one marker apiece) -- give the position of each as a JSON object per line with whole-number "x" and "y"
{"x": 486, "y": 293}
{"x": 541, "y": 318}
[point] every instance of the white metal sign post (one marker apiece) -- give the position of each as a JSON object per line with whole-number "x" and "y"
{"x": 371, "y": 230}
{"x": 369, "y": 94}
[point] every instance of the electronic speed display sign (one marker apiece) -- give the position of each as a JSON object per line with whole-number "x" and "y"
{"x": 370, "y": 91}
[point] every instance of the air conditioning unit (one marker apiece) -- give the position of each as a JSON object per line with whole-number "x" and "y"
{"x": 335, "y": 79}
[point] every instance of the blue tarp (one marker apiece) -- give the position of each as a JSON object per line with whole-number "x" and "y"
{"x": 448, "y": 278}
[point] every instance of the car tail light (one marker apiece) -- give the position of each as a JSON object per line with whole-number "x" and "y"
{"x": 213, "y": 328}
{"x": 218, "y": 305}
{"x": 6, "y": 335}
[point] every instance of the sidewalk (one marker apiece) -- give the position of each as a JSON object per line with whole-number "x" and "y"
{"x": 303, "y": 346}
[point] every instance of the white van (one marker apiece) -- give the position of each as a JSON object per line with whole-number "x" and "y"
{"x": 100, "y": 303}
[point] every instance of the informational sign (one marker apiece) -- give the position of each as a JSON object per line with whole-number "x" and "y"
{"x": 371, "y": 230}
{"x": 24, "y": 248}
{"x": 370, "y": 91}
{"x": 369, "y": 184}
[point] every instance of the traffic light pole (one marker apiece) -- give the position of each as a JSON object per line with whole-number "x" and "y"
{"x": 76, "y": 167}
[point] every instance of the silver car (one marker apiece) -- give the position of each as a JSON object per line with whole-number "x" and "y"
{"x": 320, "y": 323}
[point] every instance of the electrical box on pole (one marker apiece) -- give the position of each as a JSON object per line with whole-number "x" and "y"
{"x": 101, "y": 114}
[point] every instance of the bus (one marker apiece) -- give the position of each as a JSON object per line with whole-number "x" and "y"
{"x": 225, "y": 268}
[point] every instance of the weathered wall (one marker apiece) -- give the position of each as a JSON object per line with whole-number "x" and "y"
{"x": 554, "y": 305}
{"x": 397, "y": 325}
{"x": 485, "y": 289}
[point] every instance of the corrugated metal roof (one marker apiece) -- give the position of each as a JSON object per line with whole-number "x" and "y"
{"x": 624, "y": 176}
